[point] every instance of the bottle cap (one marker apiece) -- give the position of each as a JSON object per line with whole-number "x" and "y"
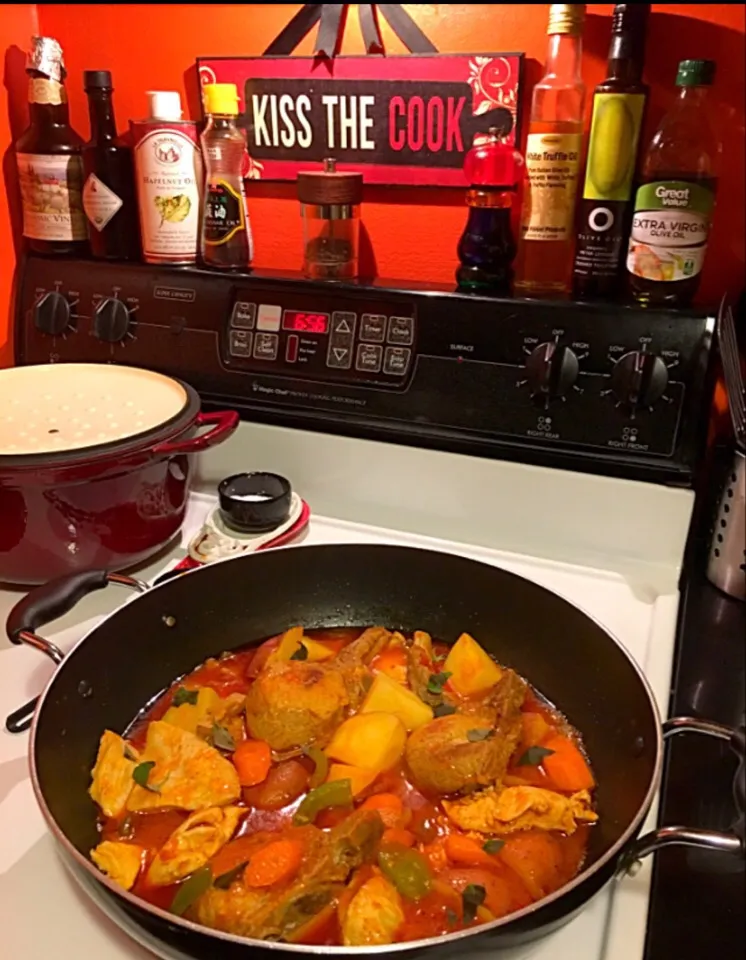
{"x": 493, "y": 163}
{"x": 45, "y": 56}
{"x": 164, "y": 105}
{"x": 220, "y": 98}
{"x": 97, "y": 80}
{"x": 566, "y": 18}
{"x": 695, "y": 73}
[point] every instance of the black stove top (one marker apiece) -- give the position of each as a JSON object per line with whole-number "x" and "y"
{"x": 698, "y": 897}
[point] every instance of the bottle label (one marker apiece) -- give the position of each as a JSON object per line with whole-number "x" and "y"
{"x": 225, "y": 214}
{"x": 168, "y": 170}
{"x": 51, "y": 196}
{"x": 612, "y": 150}
{"x": 99, "y": 202}
{"x": 552, "y": 164}
{"x": 46, "y": 90}
{"x": 669, "y": 230}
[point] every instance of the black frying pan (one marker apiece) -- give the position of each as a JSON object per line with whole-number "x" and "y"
{"x": 141, "y": 648}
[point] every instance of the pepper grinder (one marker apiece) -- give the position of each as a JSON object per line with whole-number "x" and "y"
{"x": 330, "y": 208}
{"x": 487, "y": 246}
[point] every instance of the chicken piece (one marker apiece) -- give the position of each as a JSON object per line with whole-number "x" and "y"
{"x": 521, "y": 808}
{"x": 188, "y": 773}
{"x": 374, "y": 915}
{"x": 420, "y": 668}
{"x": 120, "y": 861}
{"x": 296, "y": 703}
{"x": 192, "y": 844}
{"x": 470, "y": 748}
{"x": 112, "y": 774}
{"x": 328, "y": 860}
{"x": 368, "y": 645}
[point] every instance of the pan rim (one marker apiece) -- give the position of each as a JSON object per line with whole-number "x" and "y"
{"x": 612, "y": 855}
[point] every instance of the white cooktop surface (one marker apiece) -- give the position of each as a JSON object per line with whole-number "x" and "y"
{"x": 31, "y": 873}
{"x": 611, "y": 547}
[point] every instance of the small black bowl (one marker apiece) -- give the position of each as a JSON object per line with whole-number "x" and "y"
{"x": 254, "y": 502}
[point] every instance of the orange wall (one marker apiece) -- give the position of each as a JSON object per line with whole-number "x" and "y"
{"x": 413, "y": 232}
{"x": 17, "y": 23}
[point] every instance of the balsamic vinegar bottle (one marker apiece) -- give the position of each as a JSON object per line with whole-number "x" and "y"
{"x": 606, "y": 207}
{"x": 109, "y": 190}
{"x": 50, "y": 171}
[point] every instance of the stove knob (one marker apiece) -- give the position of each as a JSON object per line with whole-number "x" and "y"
{"x": 52, "y": 314}
{"x": 551, "y": 370}
{"x": 639, "y": 379}
{"x": 111, "y": 320}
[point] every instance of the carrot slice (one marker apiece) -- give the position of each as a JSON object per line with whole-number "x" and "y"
{"x": 465, "y": 852}
{"x": 278, "y": 862}
{"x": 252, "y": 760}
{"x": 566, "y": 766}
{"x": 388, "y": 805}
{"x": 404, "y": 838}
{"x": 233, "y": 854}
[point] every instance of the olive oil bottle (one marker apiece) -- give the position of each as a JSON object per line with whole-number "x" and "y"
{"x": 606, "y": 205}
{"x": 674, "y": 203}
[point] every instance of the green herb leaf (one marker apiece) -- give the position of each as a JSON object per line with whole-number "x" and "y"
{"x": 301, "y": 653}
{"x": 437, "y": 681}
{"x": 533, "y": 756}
{"x": 224, "y": 881}
{"x": 222, "y": 739}
{"x": 183, "y": 696}
{"x": 128, "y": 754}
{"x": 191, "y": 889}
{"x": 141, "y": 773}
{"x": 476, "y": 736}
{"x": 472, "y": 898}
{"x": 493, "y": 846}
{"x": 451, "y": 917}
{"x": 321, "y": 765}
{"x": 444, "y": 710}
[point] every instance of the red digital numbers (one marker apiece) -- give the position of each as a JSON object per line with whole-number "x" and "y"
{"x": 305, "y": 322}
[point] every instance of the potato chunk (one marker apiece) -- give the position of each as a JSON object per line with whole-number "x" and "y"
{"x": 472, "y": 670}
{"x": 374, "y": 915}
{"x": 388, "y": 696}
{"x": 374, "y": 741}
{"x": 192, "y": 844}
{"x": 360, "y": 779}
{"x": 111, "y": 777}
{"x": 290, "y": 645}
{"x": 120, "y": 861}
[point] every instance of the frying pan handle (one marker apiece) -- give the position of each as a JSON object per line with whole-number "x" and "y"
{"x": 734, "y": 842}
{"x": 223, "y": 423}
{"x": 53, "y": 600}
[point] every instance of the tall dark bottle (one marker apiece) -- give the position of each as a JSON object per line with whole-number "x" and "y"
{"x": 605, "y": 211}
{"x": 109, "y": 190}
{"x": 48, "y": 154}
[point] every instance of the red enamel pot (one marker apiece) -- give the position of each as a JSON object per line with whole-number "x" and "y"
{"x": 95, "y": 465}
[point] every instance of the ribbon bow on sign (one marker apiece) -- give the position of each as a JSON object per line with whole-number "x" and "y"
{"x": 331, "y": 20}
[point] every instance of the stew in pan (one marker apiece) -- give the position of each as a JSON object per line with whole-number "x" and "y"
{"x": 345, "y": 787}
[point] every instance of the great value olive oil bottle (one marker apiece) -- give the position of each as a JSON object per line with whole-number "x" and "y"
{"x": 674, "y": 203}
{"x": 606, "y": 205}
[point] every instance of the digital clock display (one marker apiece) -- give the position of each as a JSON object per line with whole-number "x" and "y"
{"x": 305, "y": 322}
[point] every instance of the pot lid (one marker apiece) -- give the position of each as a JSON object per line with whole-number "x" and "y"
{"x": 55, "y": 408}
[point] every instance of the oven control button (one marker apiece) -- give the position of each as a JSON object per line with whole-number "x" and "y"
{"x": 401, "y": 331}
{"x": 52, "y": 314}
{"x": 368, "y": 358}
{"x": 639, "y": 379}
{"x": 373, "y": 327}
{"x": 111, "y": 320}
{"x": 343, "y": 324}
{"x": 396, "y": 361}
{"x": 244, "y": 315}
{"x": 265, "y": 346}
{"x": 240, "y": 343}
{"x": 269, "y": 317}
{"x": 551, "y": 370}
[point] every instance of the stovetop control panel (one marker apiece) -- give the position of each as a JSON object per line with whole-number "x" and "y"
{"x": 610, "y": 388}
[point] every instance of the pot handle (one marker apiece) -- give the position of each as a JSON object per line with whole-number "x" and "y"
{"x": 54, "y": 599}
{"x": 222, "y": 422}
{"x": 734, "y": 842}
